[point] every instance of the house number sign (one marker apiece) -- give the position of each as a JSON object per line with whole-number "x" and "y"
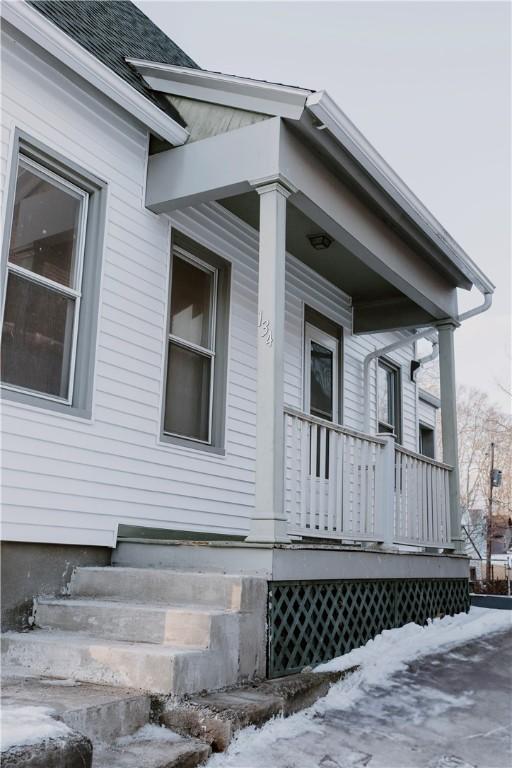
{"x": 266, "y": 331}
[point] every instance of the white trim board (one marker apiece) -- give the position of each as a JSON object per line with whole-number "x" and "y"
{"x": 229, "y": 90}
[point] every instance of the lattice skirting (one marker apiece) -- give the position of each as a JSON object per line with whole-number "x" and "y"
{"x": 313, "y": 621}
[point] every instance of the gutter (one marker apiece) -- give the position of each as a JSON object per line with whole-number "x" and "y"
{"x": 56, "y": 42}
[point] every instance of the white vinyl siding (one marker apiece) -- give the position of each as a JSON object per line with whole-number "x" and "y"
{"x": 73, "y": 480}
{"x": 427, "y": 413}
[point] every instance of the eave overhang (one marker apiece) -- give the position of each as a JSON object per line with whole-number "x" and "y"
{"x": 315, "y": 116}
{"x": 66, "y": 50}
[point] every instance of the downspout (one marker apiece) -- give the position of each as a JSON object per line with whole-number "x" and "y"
{"x": 419, "y": 334}
{"x": 479, "y": 309}
{"x": 432, "y": 356}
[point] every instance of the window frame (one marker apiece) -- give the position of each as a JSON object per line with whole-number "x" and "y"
{"x": 73, "y": 292}
{"x": 395, "y": 370}
{"x": 48, "y": 156}
{"x": 333, "y": 329}
{"x": 314, "y": 334}
{"x": 179, "y": 252}
{"x": 423, "y": 426}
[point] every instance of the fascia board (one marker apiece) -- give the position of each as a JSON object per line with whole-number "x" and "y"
{"x": 228, "y": 90}
{"x": 212, "y": 168}
{"x": 56, "y": 42}
{"x": 327, "y": 112}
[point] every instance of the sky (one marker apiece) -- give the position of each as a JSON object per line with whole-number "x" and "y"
{"x": 428, "y": 83}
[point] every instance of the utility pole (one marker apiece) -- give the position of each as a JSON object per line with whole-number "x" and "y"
{"x": 488, "y": 573}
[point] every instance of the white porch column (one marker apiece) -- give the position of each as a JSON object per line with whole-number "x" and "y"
{"x": 269, "y": 522}
{"x": 449, "y": 425}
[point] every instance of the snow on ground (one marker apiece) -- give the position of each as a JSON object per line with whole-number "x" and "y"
{"x": 379, "y": 660}
{"x": 28, "y": 725}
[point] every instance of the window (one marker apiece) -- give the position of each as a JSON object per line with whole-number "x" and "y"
{"x": 388, "y": 399}
{"x": 427, "y": 446}
{"x": 44, "y": 278}
{"x": 196, "y": 346}
{"x": 51, "y": 267}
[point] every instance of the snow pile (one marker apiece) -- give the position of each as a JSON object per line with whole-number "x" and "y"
{"x": 28, "y": 725}
{"x": 398, "y": 647}
{"x": 380, "y": 659}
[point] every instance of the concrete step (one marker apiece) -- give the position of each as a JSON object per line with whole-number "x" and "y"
{"x": 99, "y": 712}
{"x": 152, "y": 747}
{"x": 134, "y": 622}
{"x": 152, "y": 585}
{"x": 159, "y": 669}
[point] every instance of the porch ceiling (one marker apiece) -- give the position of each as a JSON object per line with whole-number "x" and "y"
{"x": 337, "y": 264}
{"x": 378, "y": 305}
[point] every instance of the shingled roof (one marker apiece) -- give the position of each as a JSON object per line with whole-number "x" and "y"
{"x": 113, "y": 30}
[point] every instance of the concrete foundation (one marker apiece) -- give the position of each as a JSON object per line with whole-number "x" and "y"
{"x": 39, "y": 569}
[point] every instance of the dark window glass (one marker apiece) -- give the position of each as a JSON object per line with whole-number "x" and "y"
{"x": 191, "y": 295}
{"x": 388, "y": 399}
{"x": 45, "y": 240}
{"x": 37, "y": 337}
{"x": 321, "y": 398}
{"x": 427, "y": 443}
{"x": 187, "y": 409}
{"x": 45, "y": 227}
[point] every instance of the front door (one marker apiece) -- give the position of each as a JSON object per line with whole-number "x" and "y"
{"x": 321, "y": 374}
{"x": 321, "y": 400}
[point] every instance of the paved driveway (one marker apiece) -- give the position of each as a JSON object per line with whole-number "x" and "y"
{"x": 450, "y": 710}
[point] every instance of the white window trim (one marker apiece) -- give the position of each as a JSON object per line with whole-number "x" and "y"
{"x": 74, "y": 293}
{"x": 207, "y": 352}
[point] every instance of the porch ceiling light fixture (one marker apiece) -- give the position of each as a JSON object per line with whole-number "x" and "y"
{"x": 320, "y": 241}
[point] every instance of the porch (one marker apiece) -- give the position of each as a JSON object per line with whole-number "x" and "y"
{"x": 286, "y": 182}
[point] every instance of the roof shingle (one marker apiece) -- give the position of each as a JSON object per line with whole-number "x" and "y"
{"x": 113, "y": 30}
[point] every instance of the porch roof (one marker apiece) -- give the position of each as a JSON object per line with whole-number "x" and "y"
{"x": 317, "y": 120}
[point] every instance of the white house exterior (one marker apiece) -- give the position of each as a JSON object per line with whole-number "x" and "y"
{"x": 193, "y": 412}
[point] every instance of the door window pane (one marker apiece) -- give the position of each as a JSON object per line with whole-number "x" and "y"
{"x": 321, "y": 398}
{"x": 45, "y": 227}
{"x": 37, "y": 337}
{"x": 384, "y": 395}
{"x": 388, "y": 399}
{"x": 187, "y": 410}
{"x": 191, "y": 300}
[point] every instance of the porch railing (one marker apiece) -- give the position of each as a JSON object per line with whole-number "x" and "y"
{"x": 422, "y": 502}
{"x": 337, "y": 482}
{"x": 332, "y": 479}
